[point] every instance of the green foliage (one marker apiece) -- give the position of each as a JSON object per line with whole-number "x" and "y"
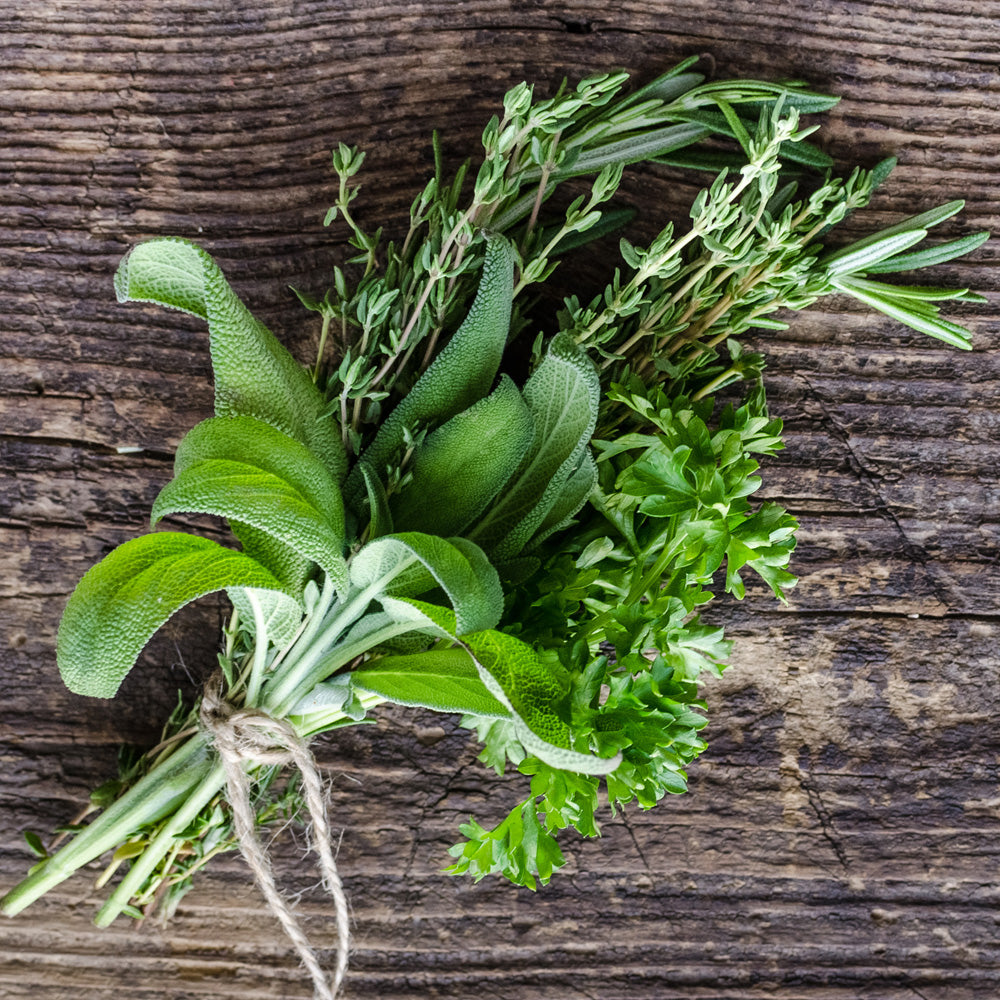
{"x": 562, "y": 397}
{"x": 254, "y": 375}
{"x": 463, "y": 465}
{"x": 443, "y": 679}
{"x": 295, "y": 469}
{"x": 256, "y": 497}
{"x": 460, "y": 375}
{"x": 520, "y": 847}
{"x": 529, "y": 689}
{"x": 411, "y": 563}
{"x": 126, "y": 597}
{"x": 540, "y": 557}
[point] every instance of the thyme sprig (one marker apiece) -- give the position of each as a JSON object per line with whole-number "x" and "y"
{"x": 392, "y": 319}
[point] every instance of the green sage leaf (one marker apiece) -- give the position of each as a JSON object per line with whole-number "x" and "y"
{"x": 517, "y": 678}
{"x": 278, "y": 613}
{"x": 563, "y": 395}
{"x": 411, "y": 563}
{"x": 571, "y": 499}
{"x": 461, "y": 467}
{"x": 513, "y": 674}
{"x": 460, "y": 375}
{"x": 379, "y": 515}
{"x": 445, "y": 680}
{"x": 263, "y": 500}
{"x": 122, "y": 601}
{"x": 255, "y": 375}
{"x": 246, "y": 439}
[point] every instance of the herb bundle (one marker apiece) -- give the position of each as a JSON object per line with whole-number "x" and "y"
{"x": 420, "y": 524}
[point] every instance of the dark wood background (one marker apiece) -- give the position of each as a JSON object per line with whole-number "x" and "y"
{"x": 842, "y": 835}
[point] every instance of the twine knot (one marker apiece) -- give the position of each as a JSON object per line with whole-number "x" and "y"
{"x": 249, "y": 735}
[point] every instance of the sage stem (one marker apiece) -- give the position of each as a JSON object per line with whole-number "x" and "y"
{"x": 209, "y": 787}
{"x": 151, "y": 798}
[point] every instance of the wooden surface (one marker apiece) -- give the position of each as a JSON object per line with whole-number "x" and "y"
{"x": 842, "y": 835}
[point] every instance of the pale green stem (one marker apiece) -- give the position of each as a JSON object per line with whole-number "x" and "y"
{"x": 322, "y": 345}
{"x": 324, "y": 719}
{"x": 429, "y": 352}
{"x": 716, "y": 383}
{"x": 433, "y": 276}
{"x": 543, "y": 181}
{"x": 231, "y": 631}
{"x": 310, "y": 626}
{"x": 321, "y": 667}
{"x": 161, "y": 844}
{"x": 157, "y": 886}
{"x": 289, "y": 680}
{"x": 344, "y": 436}
{"x": 150, "y": 799}
{"x": 260, "y": 650}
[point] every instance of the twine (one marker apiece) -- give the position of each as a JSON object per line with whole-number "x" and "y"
{"x": 250, "y": 735}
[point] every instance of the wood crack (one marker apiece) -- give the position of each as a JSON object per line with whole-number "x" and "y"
{"x": 914, "y": 551}
{"x": 815, "y": 799}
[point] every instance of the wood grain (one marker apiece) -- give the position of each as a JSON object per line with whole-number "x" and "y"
{"x": 840, "y": 839}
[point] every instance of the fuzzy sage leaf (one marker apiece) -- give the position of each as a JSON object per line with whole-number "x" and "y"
{"x": 563, "y": 396}
{"x": 464, "y": 464}
{"x": 122, "y": 601}
{"x": 257, "y": 497}
{"x": 461, "y": 374}
{"x": 445, "y": 680}
{"x": 255, "y": 375}
{"x": 240, "y": 438}
{"x": 411, "y": 563}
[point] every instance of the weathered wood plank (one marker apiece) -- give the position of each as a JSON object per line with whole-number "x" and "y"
{"x": 840, "y": 838}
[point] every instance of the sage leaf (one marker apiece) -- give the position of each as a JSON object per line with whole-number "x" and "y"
{"x": 265, "y": 501}
{"x": 460, "y": 375}
{"x": 279, "y": 613}
{"x": 380, "y": 517}
{"x": 563, "y": 396}
{"x": 243, "y": 438}
{"x": 461, "y": 467}
{"x": 255, "y": 375}
{"x": 289, "y": 566}
{"x": 445, "y": 680}
{"x": 412, "y": 563}
{"x": 513, "y": 673}
{"x": 571, "y": 498}
{"x": 121, "y": 602}
{"x": 334, "y": 693}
